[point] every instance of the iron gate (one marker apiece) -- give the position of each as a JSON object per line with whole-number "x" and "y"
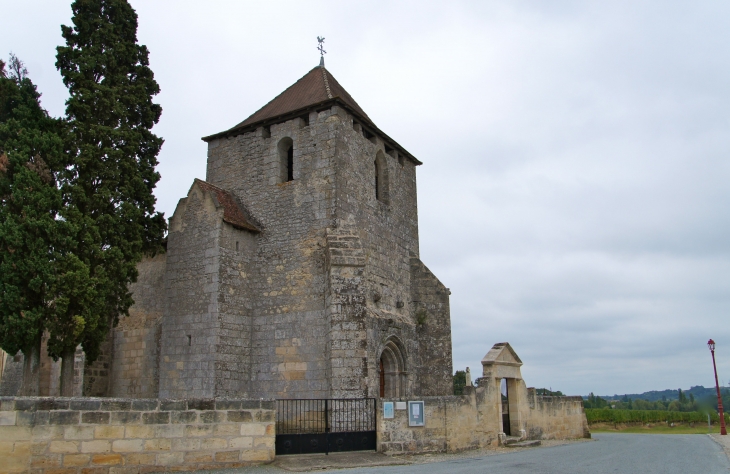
{"x": 306, "y": 426}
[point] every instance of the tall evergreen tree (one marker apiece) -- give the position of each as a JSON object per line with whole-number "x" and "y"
{"x": 110, "y": 114}
{"x": 31, "y": 233}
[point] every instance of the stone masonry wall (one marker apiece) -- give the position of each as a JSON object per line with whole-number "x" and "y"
{"x": 346, "y": 338}
{"x": 189, "y": 334}
{"x": 453, "y": 423}
{"x": 474, "y": 420}
{"x": 12, "y": 375}
{"x": 430, "y": 306}
{"x": 556, "y": 417}
{"x": 136, "y": 339}
{"x": 287, "y": 281}
{"x": 109, "y": 436}
{"x": 388, "y": 229}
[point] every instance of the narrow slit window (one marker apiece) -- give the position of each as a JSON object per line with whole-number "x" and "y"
{"x": 381, "y": 178}
{"x": 286, "y": 160}
{"x": 290, "y": 163}
{"x": 377, "y": 172}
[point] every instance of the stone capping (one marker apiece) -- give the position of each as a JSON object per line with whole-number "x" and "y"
{"x": 84, "y": 404}
{"x": 554, "y": 399}
{"x": 70, "y": 435}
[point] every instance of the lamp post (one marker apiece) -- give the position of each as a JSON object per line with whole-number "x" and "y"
{"x": 723, "y": 431}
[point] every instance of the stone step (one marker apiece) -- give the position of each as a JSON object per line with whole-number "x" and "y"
{"x": 524, "y": 444}
{"x": 511, "y": 440}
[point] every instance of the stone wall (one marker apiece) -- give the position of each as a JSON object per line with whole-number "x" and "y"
{"x": 473, "y": 420}
{"x": 12, "y": 376}
{"x": 100, "y": 436}
{"x": 287, "y": 280}
{"x": 134, "y": 343}
{"x": 431, "y": 311}
{"x": 555, "y": 417}
{"x": 452, "y": 425}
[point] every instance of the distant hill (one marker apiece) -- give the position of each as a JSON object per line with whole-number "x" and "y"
{"x": 698, "y": 391}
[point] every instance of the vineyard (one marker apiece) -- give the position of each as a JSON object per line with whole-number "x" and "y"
{"x": 608, "y": 415}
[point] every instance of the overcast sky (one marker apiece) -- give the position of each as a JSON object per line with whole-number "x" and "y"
{"x": 574, "y": 193}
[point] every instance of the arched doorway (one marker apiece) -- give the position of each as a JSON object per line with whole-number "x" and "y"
{"x": 393, "y": 374}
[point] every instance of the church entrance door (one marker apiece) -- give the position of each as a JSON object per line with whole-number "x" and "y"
{"x": 393, "y": 374}
{"x": 306, "y": 426}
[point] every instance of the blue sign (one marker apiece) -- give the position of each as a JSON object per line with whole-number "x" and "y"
{"x": 388, "y": 410}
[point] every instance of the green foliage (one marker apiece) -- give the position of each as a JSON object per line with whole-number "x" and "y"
{"x": 108, "y": 190}
{"x": 459, "y": 382}
{"x": 32, "y": 233}
{"x": 594, "y": 402}
{"x": 607, "y": 415}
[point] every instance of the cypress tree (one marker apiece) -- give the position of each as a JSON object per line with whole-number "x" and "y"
{"x": 31, "y": 234}
{"x": 109, "y": 187}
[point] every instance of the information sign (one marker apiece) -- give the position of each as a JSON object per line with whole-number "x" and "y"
{"x": 388, "y": 410}
{"x": 416, "y": 414}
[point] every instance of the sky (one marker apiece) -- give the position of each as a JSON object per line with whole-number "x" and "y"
{"x": 574, "y": 193}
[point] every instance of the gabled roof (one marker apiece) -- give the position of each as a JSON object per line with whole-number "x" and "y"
{"x": 318, "y": 88}
{"x": 501, "y": 354}
{"x": 233, "y": 212}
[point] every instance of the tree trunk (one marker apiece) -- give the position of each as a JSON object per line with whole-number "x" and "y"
{"x": 31, "y": 385}
{"x": 67, "y": 373}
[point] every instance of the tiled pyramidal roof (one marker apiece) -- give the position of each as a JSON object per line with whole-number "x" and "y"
{"x": 317, "y": 88}
{"x": 318, "y": 85}
{"x": 233, "y": 212}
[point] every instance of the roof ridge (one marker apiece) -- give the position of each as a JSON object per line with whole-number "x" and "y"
{"x": 209, "y": 184}
{"x": 275, "y": 98}
{"x": 326, "y": 83}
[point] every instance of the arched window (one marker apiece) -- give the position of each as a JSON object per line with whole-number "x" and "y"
{"x": 393, "y": 375}
{"x": 381, "y": 178}
{"x": 377, "y": 176}
{"x": 286, "y": 159}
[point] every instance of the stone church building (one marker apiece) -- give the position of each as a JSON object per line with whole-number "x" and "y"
{"x": 291, "y": 271}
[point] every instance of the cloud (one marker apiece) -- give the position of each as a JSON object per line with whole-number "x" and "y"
{"x": 574, "y": 189}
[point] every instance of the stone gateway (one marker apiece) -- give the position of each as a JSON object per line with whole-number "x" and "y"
{"x": 291, "y": 271}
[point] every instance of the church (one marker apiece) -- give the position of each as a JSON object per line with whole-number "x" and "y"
{"x": 291, "y": 271}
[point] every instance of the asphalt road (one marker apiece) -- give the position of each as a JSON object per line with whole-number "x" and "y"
{"x": 610, "y": 453}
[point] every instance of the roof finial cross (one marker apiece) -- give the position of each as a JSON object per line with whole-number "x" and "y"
{"x": 322, "y": 52}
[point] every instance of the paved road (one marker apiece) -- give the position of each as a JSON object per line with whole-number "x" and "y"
{"x": 610, "y": 453}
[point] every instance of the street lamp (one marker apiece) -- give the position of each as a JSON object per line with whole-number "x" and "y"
{"x": 723, "y": 431}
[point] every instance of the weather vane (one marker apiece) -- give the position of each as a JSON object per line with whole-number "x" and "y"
{"x": 322, "y": 52}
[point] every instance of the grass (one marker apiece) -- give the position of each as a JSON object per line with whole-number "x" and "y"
{"x": 659, "y": 428}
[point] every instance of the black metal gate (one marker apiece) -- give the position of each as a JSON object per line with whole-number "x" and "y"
{"x": 306, "y": 426}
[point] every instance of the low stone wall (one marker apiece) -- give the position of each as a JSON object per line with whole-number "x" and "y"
{"x": 474, "y": 420}
{"x": 556, "y": 417}
{"x": 453, "y": 424}
{"x": 114, "y": 435}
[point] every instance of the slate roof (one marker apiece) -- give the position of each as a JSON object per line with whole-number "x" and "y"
{"x": 233, "y": 212}
{"x": 317, "y": 88}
